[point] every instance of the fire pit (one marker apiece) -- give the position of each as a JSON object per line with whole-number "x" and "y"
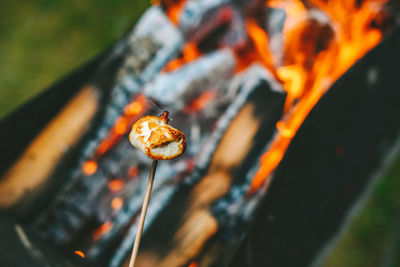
{"x": 287, "y": 115}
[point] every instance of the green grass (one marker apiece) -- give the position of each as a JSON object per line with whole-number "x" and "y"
{"x": 374, "y": 232}
{"x": 41, "y": 41}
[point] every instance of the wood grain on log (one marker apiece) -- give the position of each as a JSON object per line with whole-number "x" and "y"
{"x": 41, "y": 157}
{"x": 198, "y": 225}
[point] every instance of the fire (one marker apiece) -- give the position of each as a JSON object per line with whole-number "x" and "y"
{"x": 117, "y": 203}
{"x": 173, "y": 9}
{"x": 292, "y": 8}
{"x": 190, "y": 52}
{"x": 133, "y": 171}
{"x": 201, "y": 102}
{"x": 89, "y": 167}
{"x": 304, "y": 81}
{"x": 293, "y": 78}
{"x": 103, "y": 229}
{"x": 121, "y": 126}
{"x": 321, "y": 40}
{"x": 106, "y": 144}
{"x": 79, "y": 253}
{"x": 260, "y": 40}
{"x": 193, "y": 264}
{"x": 134, "y": 108}
{"x": 131, "y": 113}
{"x": 255, "y": 51}
{"x": 116, "y": 185}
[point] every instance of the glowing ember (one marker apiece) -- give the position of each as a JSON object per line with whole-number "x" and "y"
{"x": 340, "y": 150}
{"x": 193, "y": 264}
{"x": 116, "y": 185}
{"x": 189, "y": 53}
{"x": 103, "y": 229}
{"x": 201, "y": 102}
{"x": 320, "y": 42}
{"x": 123, "y": 124}
{"x": 117, "y": 203}
{"x": 133, "y": 171}
{"x": 106, "y": 145}
{"x": 89, "y": 167}
{"x": 133, "y": 108}
{"x": 79, "y": 253}
{"x": 305, "y": 46}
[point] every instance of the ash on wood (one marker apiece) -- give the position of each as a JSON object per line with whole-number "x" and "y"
{"x": 214, "y": 72}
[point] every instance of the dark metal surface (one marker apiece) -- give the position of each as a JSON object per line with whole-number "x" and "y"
{"x": 329, "y": 163}
{"x": 326, "y": 168}
{"x": 21, "y": 126}
{"x": 20, "y": 248}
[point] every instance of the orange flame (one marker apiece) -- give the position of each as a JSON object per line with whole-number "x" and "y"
{"x": 316, "y": 53}
{"x": 260, "y": 41}
{"x": 173, "y": 9}
{"x": 257, "y": 50}
{"x": 293, "y": 78}
{"x": 292, "y": 8}
{"x": 79, "y": 253}
{"x": 306, "y": 81}
{"x": 103, "y": 229}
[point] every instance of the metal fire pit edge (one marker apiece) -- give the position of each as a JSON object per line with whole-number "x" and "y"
{"x": 330, "y": 165}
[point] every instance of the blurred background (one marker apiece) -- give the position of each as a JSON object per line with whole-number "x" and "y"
{"x": 41, "y": 41}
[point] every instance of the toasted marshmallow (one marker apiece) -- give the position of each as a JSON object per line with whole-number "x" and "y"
{"x": 156, "y": 138}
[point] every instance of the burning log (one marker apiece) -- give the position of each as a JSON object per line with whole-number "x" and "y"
{"x": 193, "y": 205}
{"x": 45, "y": 152}
{"x": 185, "y": 84}
{"x": 240, "y": 101}
{"x": 215, "y": 183}
{"x": 146, "y": 60}
{"x": 329, "y": 178}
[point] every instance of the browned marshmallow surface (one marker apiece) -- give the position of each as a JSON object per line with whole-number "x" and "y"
{"x": 157, "y": 139}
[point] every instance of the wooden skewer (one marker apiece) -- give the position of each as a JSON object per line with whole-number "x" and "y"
{"x": 143, "y": 214}
{"x": 164, "y": 118}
